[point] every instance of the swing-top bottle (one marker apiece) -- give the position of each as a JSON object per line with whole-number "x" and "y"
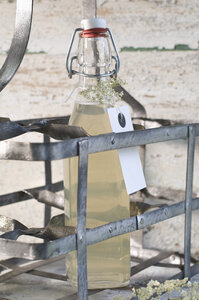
{"x": 107, "y": 199}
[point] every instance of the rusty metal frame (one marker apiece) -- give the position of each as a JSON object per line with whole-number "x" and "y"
{"x": 82, "y": 147}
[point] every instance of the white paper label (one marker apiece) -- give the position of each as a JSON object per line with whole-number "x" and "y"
{"x": 131, "y": 166}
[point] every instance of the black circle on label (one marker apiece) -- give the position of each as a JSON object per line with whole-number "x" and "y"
{"x": 121, "y": 120}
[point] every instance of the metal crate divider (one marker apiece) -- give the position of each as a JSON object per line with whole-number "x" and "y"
{"x": 82, "y": 147}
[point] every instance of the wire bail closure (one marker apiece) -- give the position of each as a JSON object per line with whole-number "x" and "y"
{"x": 69, "y": 67}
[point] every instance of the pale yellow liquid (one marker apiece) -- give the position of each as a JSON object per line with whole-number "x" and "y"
{"x": 107, "y": 201}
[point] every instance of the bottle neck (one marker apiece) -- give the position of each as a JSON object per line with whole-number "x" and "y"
{"x": 86, "y": 82}
{"x": 94, "y": 57}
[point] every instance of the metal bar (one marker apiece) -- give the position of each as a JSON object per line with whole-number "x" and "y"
{"x": 48, "y": 181}
{"x": 150, "y": 262}
{"x": 38, "y": 151}
{"x": 19, "y": 41}
{"x": 193, "y": 271}
{"x": 38, "y": 251}
{"x": 94, "y": 235}
{"x": 19, "y": 196}
{"x": 49, "y": 198}
{"x": 69, "y": 69}
{"x": 9, "y": 129}
{"x": 48, "y": 275}
{"x": 168, "y": 265}
{"x": 39, "y": 120}
{"x": 117, "y": 58}
{"x": 23, "y": 269}
{"x": 188, "y": 201}
{"x": 81, "y": 221}
{"x": 114, "y": 141}
{"x": 54, "y": 151}
{"x": 17, "y": 269}
{"x": 164, "y": 213}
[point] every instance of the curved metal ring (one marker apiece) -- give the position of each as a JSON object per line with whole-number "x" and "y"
{"x": 19, "y": 41}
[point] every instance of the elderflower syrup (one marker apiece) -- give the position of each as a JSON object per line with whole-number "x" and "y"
{"x": 108, "y": 262}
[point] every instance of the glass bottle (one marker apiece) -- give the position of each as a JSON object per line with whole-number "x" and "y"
{"x": 107, "y": 198}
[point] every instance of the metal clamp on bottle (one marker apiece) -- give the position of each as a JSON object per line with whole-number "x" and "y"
{"x": 69, "y": 66}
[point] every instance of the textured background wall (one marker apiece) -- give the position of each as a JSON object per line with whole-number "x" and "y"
{"x": 165, "y": 82}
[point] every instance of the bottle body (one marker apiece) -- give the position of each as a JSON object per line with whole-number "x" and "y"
{"x": 107, "y": 201}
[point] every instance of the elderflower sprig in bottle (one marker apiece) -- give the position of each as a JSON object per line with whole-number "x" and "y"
{"x": 107, "y": 198}
{"x": 103, "y": 92}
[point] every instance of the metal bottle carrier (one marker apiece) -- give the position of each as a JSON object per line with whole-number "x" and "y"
{"x": 83, "y": 146}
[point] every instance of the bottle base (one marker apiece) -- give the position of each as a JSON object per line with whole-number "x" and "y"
{"x": 102, "y": 284}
